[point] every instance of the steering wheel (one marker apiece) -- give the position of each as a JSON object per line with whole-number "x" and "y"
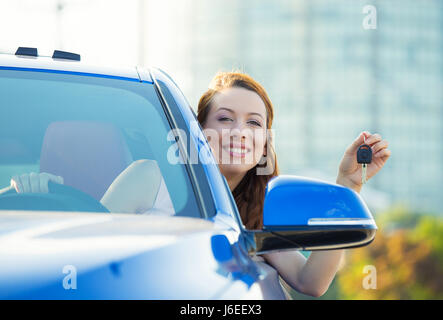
{"x": 59, "y": 198}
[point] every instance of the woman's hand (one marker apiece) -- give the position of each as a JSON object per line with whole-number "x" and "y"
{"x": 34, "y": 182}
{"x": 350, "y": 172}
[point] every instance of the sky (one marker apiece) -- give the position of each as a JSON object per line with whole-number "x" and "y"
{"x": 101, "y": 31}
{"x": 117, "y": 32}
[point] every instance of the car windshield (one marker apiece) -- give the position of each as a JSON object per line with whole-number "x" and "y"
{"x": 105, "y": 136}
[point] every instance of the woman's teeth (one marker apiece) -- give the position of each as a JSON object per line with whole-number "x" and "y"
{"x": 238, "y": 150}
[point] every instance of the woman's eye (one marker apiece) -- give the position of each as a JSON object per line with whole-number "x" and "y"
{"x": 255, "y": 123}
{"x": 224, "y": 119}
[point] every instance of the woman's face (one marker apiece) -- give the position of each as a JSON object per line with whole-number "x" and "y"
{"x": 236, "y": 129}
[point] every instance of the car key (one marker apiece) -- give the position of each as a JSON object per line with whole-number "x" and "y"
{"x": 364, "y": 156}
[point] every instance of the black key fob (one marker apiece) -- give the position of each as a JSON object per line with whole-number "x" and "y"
{"x": 364, "y": 154}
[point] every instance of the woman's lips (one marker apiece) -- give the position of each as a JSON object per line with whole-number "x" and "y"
{"x": 239, "y": 152}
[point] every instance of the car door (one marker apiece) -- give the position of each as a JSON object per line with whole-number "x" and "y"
{"x": 221, "y": 207}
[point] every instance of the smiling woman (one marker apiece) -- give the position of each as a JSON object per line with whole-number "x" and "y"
{"x": 236, "y": 114}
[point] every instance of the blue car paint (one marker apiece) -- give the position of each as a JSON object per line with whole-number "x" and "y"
{"x": 337, "y": 203}
{"x": 207, "y": 264}
{"x": 87, "y": 74}
{"x": 150, "y": 275}
{"x": 127, "y": 279}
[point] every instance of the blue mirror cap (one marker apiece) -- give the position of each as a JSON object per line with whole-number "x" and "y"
{"x": 301, "y": 201}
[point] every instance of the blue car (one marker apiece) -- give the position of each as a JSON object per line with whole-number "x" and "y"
{"x": 182, "y": 236}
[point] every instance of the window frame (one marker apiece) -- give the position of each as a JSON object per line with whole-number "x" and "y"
{"x": 195, "y": 203}
{"x": 196, "y": 173}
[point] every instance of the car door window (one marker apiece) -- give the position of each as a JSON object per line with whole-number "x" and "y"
{"x": 90, "y": 129}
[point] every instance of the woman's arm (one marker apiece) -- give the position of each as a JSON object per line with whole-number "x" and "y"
{"x": 313, "y": 276}
{"x": 310, "y": 276}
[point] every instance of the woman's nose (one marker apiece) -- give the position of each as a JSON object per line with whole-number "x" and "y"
{"x": 240, "y": 132}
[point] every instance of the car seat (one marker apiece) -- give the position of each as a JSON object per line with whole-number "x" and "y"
{"x": 88, "y": 155}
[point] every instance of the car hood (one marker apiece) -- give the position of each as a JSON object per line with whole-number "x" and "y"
{"x": 34, "y": 246}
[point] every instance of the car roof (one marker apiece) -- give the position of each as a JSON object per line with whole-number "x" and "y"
{"x": 48, "y": 63}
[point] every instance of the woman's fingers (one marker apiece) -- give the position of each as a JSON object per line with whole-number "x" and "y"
{"x": 384, "y": 154}
{"x": 23, "y": 183}
{"x": 352, "y": 149}
{"x": 59, "y": 179}
{"x": 374, "y": 138}
{"x": 24, "y": 179}
{"x": 44, "y": 179}
{"x": 383, "y": 144}
{"x": 34, "y": 182}
{"x": 366, "y": 138}
{"x": 379, "y": 146}
{"x": 15, "y": 182}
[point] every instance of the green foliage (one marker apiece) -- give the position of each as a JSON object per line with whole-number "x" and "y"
{"x": 408, "y": 256}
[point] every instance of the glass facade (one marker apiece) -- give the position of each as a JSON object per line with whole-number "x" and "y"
{"x": 330, "y": 78}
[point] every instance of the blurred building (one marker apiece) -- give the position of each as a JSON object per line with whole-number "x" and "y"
{"x": 329, "y": 79}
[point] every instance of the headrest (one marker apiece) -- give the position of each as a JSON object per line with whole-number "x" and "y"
{"x": 88, "y": 155}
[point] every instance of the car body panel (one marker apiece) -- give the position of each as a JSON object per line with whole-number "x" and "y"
{"x": 124, "y": 256}
{"x": 116, "y": 256}
{"x": 47, "y": 64}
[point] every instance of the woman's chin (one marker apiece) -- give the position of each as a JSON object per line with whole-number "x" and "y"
{"x": 235, "y": 169}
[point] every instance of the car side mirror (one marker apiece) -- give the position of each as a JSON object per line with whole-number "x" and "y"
{"x": 308, "y": 214}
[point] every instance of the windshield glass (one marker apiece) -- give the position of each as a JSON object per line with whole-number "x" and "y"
{"x": 105, "y": 136}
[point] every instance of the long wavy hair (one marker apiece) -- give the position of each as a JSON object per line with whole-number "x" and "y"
{"x": 249, "y": 194}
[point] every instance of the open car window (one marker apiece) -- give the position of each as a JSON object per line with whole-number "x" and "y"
{"x": 106, "y": 136}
